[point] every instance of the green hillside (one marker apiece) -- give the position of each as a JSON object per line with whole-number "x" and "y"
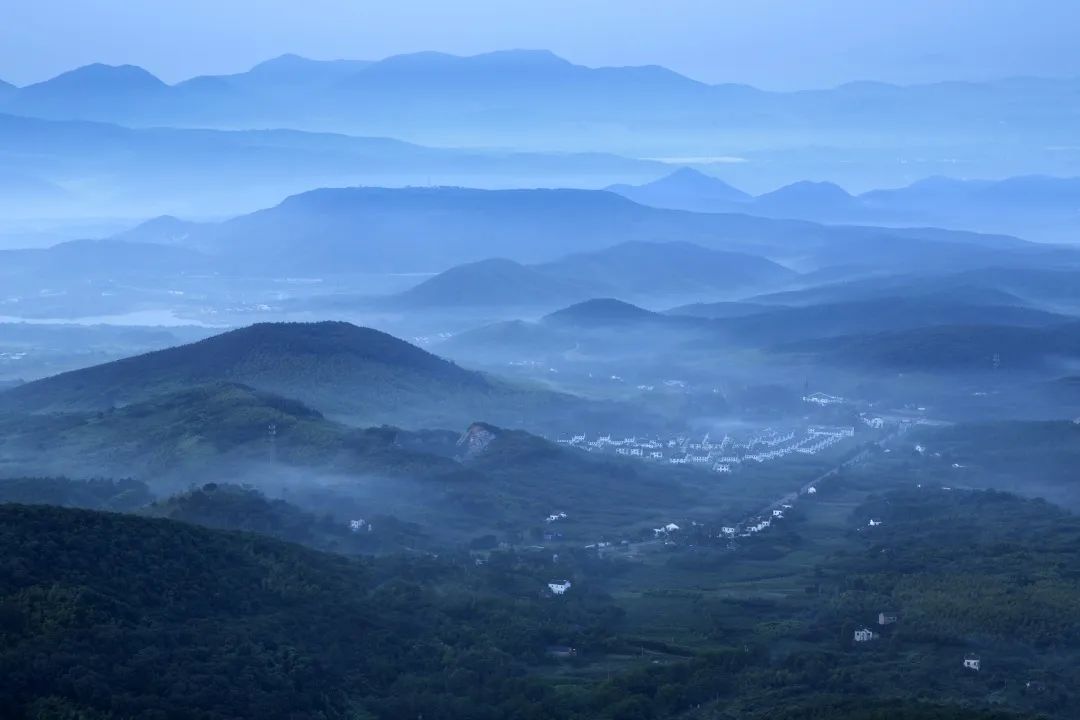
{"x": 109, "y": 616}
{"x": 356, "y": 374}
{"x": 232, "y": 507}
{"x": 949, "y": 348}
{"x": 208, "y": 428}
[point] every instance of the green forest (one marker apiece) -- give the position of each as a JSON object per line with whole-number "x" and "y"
{"x": 147, "y": 615}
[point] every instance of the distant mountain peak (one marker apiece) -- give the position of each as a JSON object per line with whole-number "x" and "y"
{"x": 599, "y": 311}
{"x": 684, "y": 189}
{"x": 99, "y": 76}
{"x": 283, "y": 59}
{"x": 808, "y": 196}
{"x": 691, "y": 180}
{"x": 292, "y": 64}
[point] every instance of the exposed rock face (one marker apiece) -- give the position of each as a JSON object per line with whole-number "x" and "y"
{"x": 475, "y": 440}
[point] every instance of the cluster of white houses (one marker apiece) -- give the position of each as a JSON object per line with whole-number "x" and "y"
{"x": 755, "y": 525}
{"x": 722, "y": 455}
{"x": 823, "y": 399}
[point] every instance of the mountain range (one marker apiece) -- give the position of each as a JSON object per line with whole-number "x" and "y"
{"x": 69, "y": 168}
{"x": 343, "y": 230}
{"x": 1054, "y": 288}
{"x": 516, "y": 97}
{"x": 628, "y": 270}
{"x": 1035, "y": 207}
{"x": 931, "y": 332}
{"x": 983, "y": 348}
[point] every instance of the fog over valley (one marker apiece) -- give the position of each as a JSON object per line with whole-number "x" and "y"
{"x": 464, "y": 380}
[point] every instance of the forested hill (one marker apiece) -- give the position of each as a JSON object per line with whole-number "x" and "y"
{"x": 108, "y": 616}
{"x": 353, "y": 373}
{"x": 983, "y": 569}
{"x": 213, "y": 431}
{"x": 267, "y": 355}
{"x": 950, "y": 348}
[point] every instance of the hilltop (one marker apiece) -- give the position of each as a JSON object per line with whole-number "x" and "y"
{"x": 686, "y": 189}
{"x": 627, "y": 270}
{"x": 602, "y": 312}
{"x": 350, "y": 373}
{"x": 313, "y": 362}
{"x": 490, "y": 283}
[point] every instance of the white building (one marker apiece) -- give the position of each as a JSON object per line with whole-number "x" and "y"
{"x": 972, "y": 662}
{"x": 820, "y": 398}
{"x": 559, "y": 588}
{"x": 864, "y": 635}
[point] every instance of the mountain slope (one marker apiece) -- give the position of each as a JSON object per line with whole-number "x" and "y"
{"x": 1036, "y": 207}
{"x": 812, "y": 200}
{"x": 431, "y": 229}
{"x": 156, "y": 170}
{"x": 628, "y": 270}
{"x": 877, "y": 315}
{"x": 1056, "y": 287}
{"x": 602, "y": 312}
{"x": 951, "y": 348}
{"x": 686, "y": 189}
{"x": 650, "y": 268}
{"x": 90, "y": 91}
{"x": 209, "y": 430}
{"x": 163, "y": 617}
{"x": 364, "y": 376}
{"x": 273, "y": 357}
{"x": 491, "y": 283}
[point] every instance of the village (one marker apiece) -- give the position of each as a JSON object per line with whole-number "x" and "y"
{"x": 724, "y": 455}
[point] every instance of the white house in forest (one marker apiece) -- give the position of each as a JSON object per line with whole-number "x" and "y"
{"x": 864, "y": 635}
{"x": 972, "y": 662}
{"x": 559, "y": 588}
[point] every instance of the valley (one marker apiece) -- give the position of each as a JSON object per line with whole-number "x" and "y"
{"x": 452, "y": 379}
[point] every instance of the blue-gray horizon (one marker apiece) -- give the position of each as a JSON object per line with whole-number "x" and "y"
{"x": 773, "y": 44}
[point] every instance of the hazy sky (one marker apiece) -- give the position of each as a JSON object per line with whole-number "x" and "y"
{"x": 781, "y": 44}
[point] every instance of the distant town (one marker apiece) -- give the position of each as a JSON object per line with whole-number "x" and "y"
{"x": 721, "y": 455}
